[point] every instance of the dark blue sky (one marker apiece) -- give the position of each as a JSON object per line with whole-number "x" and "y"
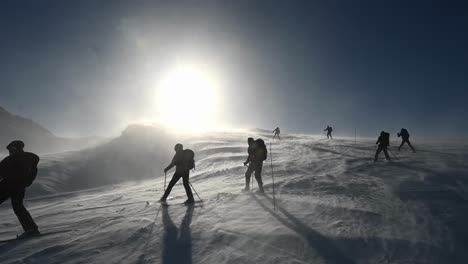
{"x": 85, "y": 68}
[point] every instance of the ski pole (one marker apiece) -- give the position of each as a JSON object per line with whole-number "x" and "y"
{"x": 396, "y": 157}
{"x": 165, "y": 175}
{"x": 354, "y": 136}
{"x": 273, "y": 177}
{"x": 196, "y": 192}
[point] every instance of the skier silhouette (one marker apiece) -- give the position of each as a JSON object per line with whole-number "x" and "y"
{"x": 17, "y": 172}
{"x": 384, "y": 142}
{"x": 405, "y": 139}
{"x": 257, "y": 154}
{"x": 181, "y": 172}
{"x": 329, "y": 130}
{"x": 277, "y": 133}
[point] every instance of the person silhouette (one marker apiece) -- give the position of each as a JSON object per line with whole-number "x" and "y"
{"x": 329, "y": 130}
{"x": 405, "y": 139}
{"x": 17, "y": 172}
{"x": 277, "y": 133}
{"x": 257, "y": 154}
{"x": 384, "y": 142}
{"x": 181, "y": 172}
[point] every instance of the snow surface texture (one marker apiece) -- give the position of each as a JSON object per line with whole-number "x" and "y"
{"x": 334, "y": 205}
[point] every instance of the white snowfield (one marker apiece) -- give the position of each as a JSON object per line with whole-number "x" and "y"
{"x": 333, "y": 205}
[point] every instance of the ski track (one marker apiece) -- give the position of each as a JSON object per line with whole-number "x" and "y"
{"x": 333, "y": 205}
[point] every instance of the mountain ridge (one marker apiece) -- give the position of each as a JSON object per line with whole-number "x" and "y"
{"x": 36, "y": 137}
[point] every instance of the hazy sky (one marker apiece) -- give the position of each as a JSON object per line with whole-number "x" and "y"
{"x": 90, "y": 67}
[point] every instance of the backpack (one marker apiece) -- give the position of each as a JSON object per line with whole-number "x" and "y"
{"x": 189, "y": 159}
{"x": 31, "y": 176}
{"x": 386, "y": 139}
{"x": 31, "y": 172}
{"x": 261, "y": 152}
{"x": 404, "y": 133}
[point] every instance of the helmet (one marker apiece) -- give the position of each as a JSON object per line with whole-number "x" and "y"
{"x": 178, "y": 147}
{"x": 16, "y": 145}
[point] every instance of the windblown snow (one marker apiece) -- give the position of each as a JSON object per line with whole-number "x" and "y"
{"x": 332, "y": 204}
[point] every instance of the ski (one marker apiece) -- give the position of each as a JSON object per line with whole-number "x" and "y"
{"x": 249, "y": 192}
{"x": 148, "y": 203}
{"x": 46, "y": 233}
{"x": 188, "y": 204}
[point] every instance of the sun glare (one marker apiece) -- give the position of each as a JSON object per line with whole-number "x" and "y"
{"x": 187, "y": 99}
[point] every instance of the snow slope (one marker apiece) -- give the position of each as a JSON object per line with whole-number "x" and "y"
{"x": 333, "y": 205}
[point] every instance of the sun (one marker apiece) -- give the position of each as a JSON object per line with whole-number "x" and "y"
{"x": 187, "y": 98}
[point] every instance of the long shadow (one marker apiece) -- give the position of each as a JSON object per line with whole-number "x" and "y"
{"x": 323, "y": 245}
{"x": 177, "y": 249}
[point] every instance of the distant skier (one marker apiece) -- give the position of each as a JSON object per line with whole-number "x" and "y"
{"x": 184, "y": 163}
{"x": 17, "y": 172}
{"x": 384, "y": 142}
{"x": 329, "y": 130}
{"x": 277, "y": 133}
{"x": 257, "y": 154}
{"x": 405, "y": 139}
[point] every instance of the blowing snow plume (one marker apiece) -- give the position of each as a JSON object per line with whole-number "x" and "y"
{"x": 139, "y": 153}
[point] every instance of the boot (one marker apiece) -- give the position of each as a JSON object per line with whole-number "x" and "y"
{"x": 189, "y": 201}
{"x": 260, "y": 189}
{"x": 29, "y": 233}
